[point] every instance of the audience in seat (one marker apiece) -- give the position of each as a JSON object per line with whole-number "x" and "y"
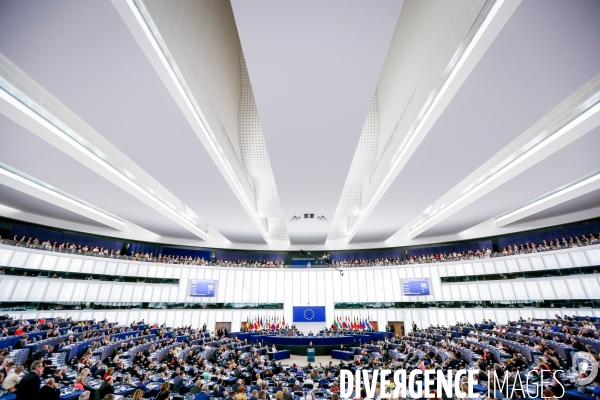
{"x": 550, "y": 243}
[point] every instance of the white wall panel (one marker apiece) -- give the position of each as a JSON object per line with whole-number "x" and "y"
{"x": 104, "y": 292}
{"x": 5, "y": 256}
{"x": 576, "y": 288}
{"x": 378, "y": 285}
{"x": 498, "y": 266}
{"x": 19, "y": 259}
{"x": 38, "y": 290}
{"x": 537, "y": 263}
{"x": 88, "y": 266}
{"x": 468, "y": 270}
{"x": 21, "y": 291}
{"x": 272, "y": 283}
{"x": 152, "y": 271}
{"x": 592, "y": 255}
{"x": 520, "y": 293}
{"x": 66, "y": 292}
{"x": 122, "y": 269}
{"x": 281, "y": 287}
{"x": 592, "y": 288}
{"x": 579, "y": 259}
{"x": 446, "y": 292}
{"x": 507, "y": 290}
{"x": 248, "y": 287}
{"x": 524, "y": 264}
{"x": 484, "y": 291}
{"x": 111, "y": 268}
{"x": 460, "y": 270}
{"x": 34, "y": 261}
{"x": 182, "y": 295}
{"x": 116, "y": 293}
{"x": 564, "y": 260}
{"x": 495, "y": 291}
{"x": 478, "y": 268}
{"x": 397, "y": 285}
{"x": 312, "y": 288}
{"x": 6, "y": 289}
{"x": 550, "y": 261}
{"x": 512, "y": 265}
{"x": 239, "y": 285}
{"x": 319, "y": 284}
{"x": 533, "y": 290}
{"x": 474, "y": 292}
{"x": 561, "y": 289}
{"x": 75, "y": 265}
{"x": 388, "y": 290}
{"x": 133, "y": 269}
{"x": 546, "y": 290}
{"x": 53, "y": 290}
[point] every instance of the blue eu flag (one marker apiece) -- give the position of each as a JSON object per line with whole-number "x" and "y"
{"x": 309, "y": 314}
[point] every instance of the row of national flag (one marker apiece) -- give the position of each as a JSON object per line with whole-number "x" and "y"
{"x": 340, "y": 322}
{"x": 259, "y": 323}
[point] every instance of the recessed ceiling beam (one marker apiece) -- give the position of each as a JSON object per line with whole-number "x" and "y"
{"x": 139, "y": 22}
{"x": 486, "y": 27}
{"x": 27, "y": 184}
{"x": 570, "y": 191}
{"x": 50, "y": 126}
{"x": 575, "y": 124}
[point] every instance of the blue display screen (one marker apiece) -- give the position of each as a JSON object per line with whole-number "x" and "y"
{"x": 416, "y": 286}
{"x": 203, "y": 288}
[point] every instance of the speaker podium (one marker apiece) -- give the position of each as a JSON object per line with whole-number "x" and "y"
{"x": 310, "y": 355}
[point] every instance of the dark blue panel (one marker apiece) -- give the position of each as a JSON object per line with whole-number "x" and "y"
{"x": 203, "y": 288}
{"x": 309, "y": 314}
{"x": 416, "y": 286}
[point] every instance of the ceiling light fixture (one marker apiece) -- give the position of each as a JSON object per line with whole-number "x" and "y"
{"x": 151, "y": 31}
{"x": 36, "y": 112}
{"x": 38, "y": 185}
{"x": 590, "y": 180}
{"x": 480, "y": 25}
{"x": 575, "y": 118}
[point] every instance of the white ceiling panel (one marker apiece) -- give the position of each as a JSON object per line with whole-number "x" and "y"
{"x": 573, "y": 161}
{"x": 314, "y": 68}
{"x": 104, "y": 77}
{"x": 525, "y": 73}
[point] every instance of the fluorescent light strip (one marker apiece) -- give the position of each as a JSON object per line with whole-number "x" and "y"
{"x": 17, "y": 99}
{"x": 44, "y": 187}
{"x": 579, "y": 183}
{"x": 160, "y": 47}
{"x": 513, "y": 160}
{"x": 450, "y": 73}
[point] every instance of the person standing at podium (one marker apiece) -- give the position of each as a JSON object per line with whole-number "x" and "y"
{"x": 310, "y": 345}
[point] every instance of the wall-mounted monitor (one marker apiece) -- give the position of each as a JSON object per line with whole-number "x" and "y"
{"x": 416, "y": 286}
{"x": 203, "y": 288}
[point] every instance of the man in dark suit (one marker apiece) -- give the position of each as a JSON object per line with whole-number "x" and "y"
{"x": 178, "y": 382}
{"x": 217, "y": 392}
{"x": 203, "y": 395}
{"x": 286, "y": 394}
{"x": 29, "y": 386}
{"x": 235, "y": 386}
{"x": 49, "y": 391}
{"x": 106, "y": 387}
{"x": 141, "y": 384}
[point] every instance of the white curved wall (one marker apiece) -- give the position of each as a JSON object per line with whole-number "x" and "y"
{"x": 322, "y": 287}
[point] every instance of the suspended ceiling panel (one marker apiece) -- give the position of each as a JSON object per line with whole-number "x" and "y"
{"x": 526, "y": 72}
{"x": 30, "y": 154}
{"x": 313, "y": 67}
{"x": 572, "y": 162}
{"x": 23, "y": 202}
{"x": 582, "y": 203}
{"x": 103, "y": 76}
